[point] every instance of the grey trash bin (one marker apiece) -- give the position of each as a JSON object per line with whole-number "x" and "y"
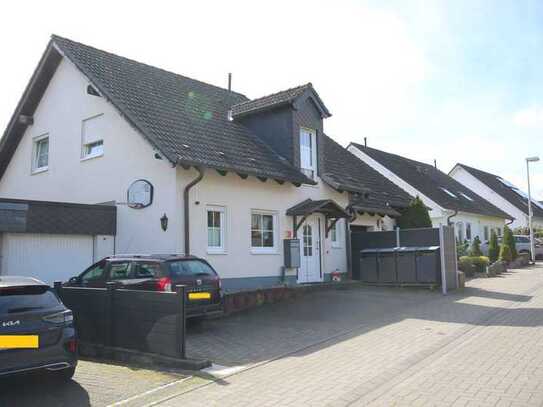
{"x": 368, "y": 265}
{"x": 428, "y": 264}
{"x": 387, "y": 265}
{"x": 406, "y": 263}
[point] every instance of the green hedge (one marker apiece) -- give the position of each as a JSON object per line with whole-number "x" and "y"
{"x": 473, "y": 264}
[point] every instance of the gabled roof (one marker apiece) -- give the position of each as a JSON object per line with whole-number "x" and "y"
{"x": 185, "y": 119}
{"x": 327, "y": 206}
{"x": 343, "y": 171}
{"x": 434, "y": 184}
{"x": 278, "y": 99}
{"x": 505, "y": 189}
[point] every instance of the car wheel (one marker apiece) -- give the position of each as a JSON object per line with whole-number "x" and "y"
{"x": 66, "y": 374}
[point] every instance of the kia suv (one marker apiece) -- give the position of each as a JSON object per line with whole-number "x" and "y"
{"x": 159, "y": 273}
{"x": 29, "y": 307}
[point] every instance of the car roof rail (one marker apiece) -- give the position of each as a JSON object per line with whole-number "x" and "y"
{"x": 124, "y": 255}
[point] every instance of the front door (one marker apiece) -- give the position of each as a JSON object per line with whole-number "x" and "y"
{"x": 310, "y": 270}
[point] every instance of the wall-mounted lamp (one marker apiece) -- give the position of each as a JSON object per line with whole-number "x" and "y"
{"x": 164, "y": 222}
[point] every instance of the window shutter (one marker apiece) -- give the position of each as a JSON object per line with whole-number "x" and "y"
{"x": 93, "y": 129}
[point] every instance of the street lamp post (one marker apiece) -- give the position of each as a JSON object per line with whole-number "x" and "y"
{"x": 530, "y": 213}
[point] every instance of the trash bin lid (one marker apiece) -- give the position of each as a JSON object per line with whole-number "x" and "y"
{"x": 405, "y": 249}
{"x": 388, "y": 250}
{"x": 427, "y": 248}
{"x": 369, "y": 251}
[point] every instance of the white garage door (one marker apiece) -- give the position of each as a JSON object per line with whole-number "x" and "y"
{"x": 47, "y": 257}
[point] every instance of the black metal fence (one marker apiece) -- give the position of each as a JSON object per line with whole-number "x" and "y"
{"x": 146, "y": 321}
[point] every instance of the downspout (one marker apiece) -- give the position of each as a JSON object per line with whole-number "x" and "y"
{"x": 348, "y": 247}
{"x": 187, "y": 206}
{"x": 451, "y": 216}
{"x": 509, "y": 222}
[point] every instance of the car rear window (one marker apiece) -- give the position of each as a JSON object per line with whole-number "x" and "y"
{"x": 186, "y": 268}
{"x": 24, "y": 299}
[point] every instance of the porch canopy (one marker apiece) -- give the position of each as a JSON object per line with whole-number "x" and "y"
{"x": 329, "y": 208}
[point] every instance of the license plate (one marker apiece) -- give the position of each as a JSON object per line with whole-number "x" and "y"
{"x": 200, "y": 296}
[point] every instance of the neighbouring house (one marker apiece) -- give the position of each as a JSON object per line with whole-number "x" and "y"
{"x": 448, "y": 201}
{"x": 501, "y": 193}
{"x": 183, "y": 167}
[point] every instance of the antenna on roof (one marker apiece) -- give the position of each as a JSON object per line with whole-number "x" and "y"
{"x": 229, "y": 81}
{"x": 435, "y": 163}
{"x": 365, "y": 141}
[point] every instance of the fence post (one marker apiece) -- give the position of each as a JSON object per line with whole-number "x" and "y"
{"x": 442, "y": 258}
{"x": 109, "y": 340}
{"x": 181, "y": 320}
{"x": 397, "y": 236}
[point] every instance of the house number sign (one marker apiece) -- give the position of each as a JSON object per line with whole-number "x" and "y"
{"x": 140, "y": 194}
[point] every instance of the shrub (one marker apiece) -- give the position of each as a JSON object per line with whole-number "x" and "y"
{"x": 508, "y": 241}
{"x": 472, "y": 264}
{"x": 505, "y": 253}
{"x": 415, "y": 216}
{"x": 475, "y": 249}
{"x": 461, "y": 248}
{"x": 493, "y": 247}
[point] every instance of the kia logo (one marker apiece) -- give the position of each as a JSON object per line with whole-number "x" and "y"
{"x": 10, "y": 323}
{"x": 198, "y": 282}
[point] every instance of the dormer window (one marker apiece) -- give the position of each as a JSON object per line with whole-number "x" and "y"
{"x": 308, "y": 153}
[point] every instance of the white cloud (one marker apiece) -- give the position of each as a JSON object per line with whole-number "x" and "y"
{"x": 531, "y": 117}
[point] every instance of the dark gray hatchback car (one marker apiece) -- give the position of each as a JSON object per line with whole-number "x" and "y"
{"x": 30, "y": 307}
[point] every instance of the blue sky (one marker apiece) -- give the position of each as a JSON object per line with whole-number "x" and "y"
{"x": 456, "y": 81}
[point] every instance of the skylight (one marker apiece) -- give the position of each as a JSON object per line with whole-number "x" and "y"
{"x": 469, "y": 198}
{"x": 448, "y": 192}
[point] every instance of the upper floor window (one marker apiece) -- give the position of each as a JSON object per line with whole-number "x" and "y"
{"x": 40, "y": 153}
{"x": 263, "y": 232}
{"x": 215, "y": 229}
{"x": 308, "y": 153}
{"x": 92, "y": 144}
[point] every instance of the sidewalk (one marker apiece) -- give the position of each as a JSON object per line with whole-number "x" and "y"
{"x": 480, "y": 347}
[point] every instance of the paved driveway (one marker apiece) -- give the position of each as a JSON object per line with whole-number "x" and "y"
{"x": 368, "y": 346}
{"x": 96, "y": 384}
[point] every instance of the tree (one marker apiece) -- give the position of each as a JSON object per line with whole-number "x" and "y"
{"x": 508, "y": 251}
{"x": 475, "y": 249}
{"x": 414, "y": 216}
{"x": 493, "y": 247}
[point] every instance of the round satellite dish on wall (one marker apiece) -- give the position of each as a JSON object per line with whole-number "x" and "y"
{"x": 140, "y": 194}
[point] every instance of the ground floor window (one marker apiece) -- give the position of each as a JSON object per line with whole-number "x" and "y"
{"x": 215, "y": 229}
{"x": 468, "y": 231}
{"x": 335, "y": 236}
{"x": 263, "y": 231}
{"x": 460, "y": 232}
{"x": 485, "y": 233}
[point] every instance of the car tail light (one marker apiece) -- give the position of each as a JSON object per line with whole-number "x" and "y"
{"x": 71, "y": 345}
{"x": 59, "y": 317}
{"x": 164, "y": 284}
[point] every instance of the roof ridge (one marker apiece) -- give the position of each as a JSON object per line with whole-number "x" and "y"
{"x": 397, "y": 155}
{"x": 306, "y": 85}
{"x": 55, "y": 36}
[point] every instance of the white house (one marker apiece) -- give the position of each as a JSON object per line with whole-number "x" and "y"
{"x": 501, "y": 193}
{"x": 186, "y": 167}
{"x": 448, "y": 200}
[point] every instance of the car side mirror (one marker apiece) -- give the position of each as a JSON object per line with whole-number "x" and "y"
{"x": 74, "y": 279}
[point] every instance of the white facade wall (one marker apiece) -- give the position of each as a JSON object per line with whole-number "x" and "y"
{"x": 465, "y": 178}
{"x": 239, "y": 197}
{"x": 128, "y": 157}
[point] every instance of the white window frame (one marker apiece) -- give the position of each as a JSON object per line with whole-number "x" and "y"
{"x": 467, "y": 226}
{"x": 460, "y": 228}
{"x": 265, "y": 250}
{"x": 84, "y": 155}
{"x": 222, "y": 211}
{"x": 334, "y": 232}
{"x": 486, "y": 233}
{"x": 35, "y": 141}
{"x": 313, "y": 152}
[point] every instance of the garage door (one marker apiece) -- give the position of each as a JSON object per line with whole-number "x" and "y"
{"x": 47, "y": 257}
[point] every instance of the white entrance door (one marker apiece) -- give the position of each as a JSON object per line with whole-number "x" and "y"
{"x": 310, "y": 251}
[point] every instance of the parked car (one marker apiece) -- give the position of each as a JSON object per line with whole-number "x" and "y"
{"x": 522, "y": 244}
{"x": 30, "y": 307}
{"x": 159, "y": 273}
